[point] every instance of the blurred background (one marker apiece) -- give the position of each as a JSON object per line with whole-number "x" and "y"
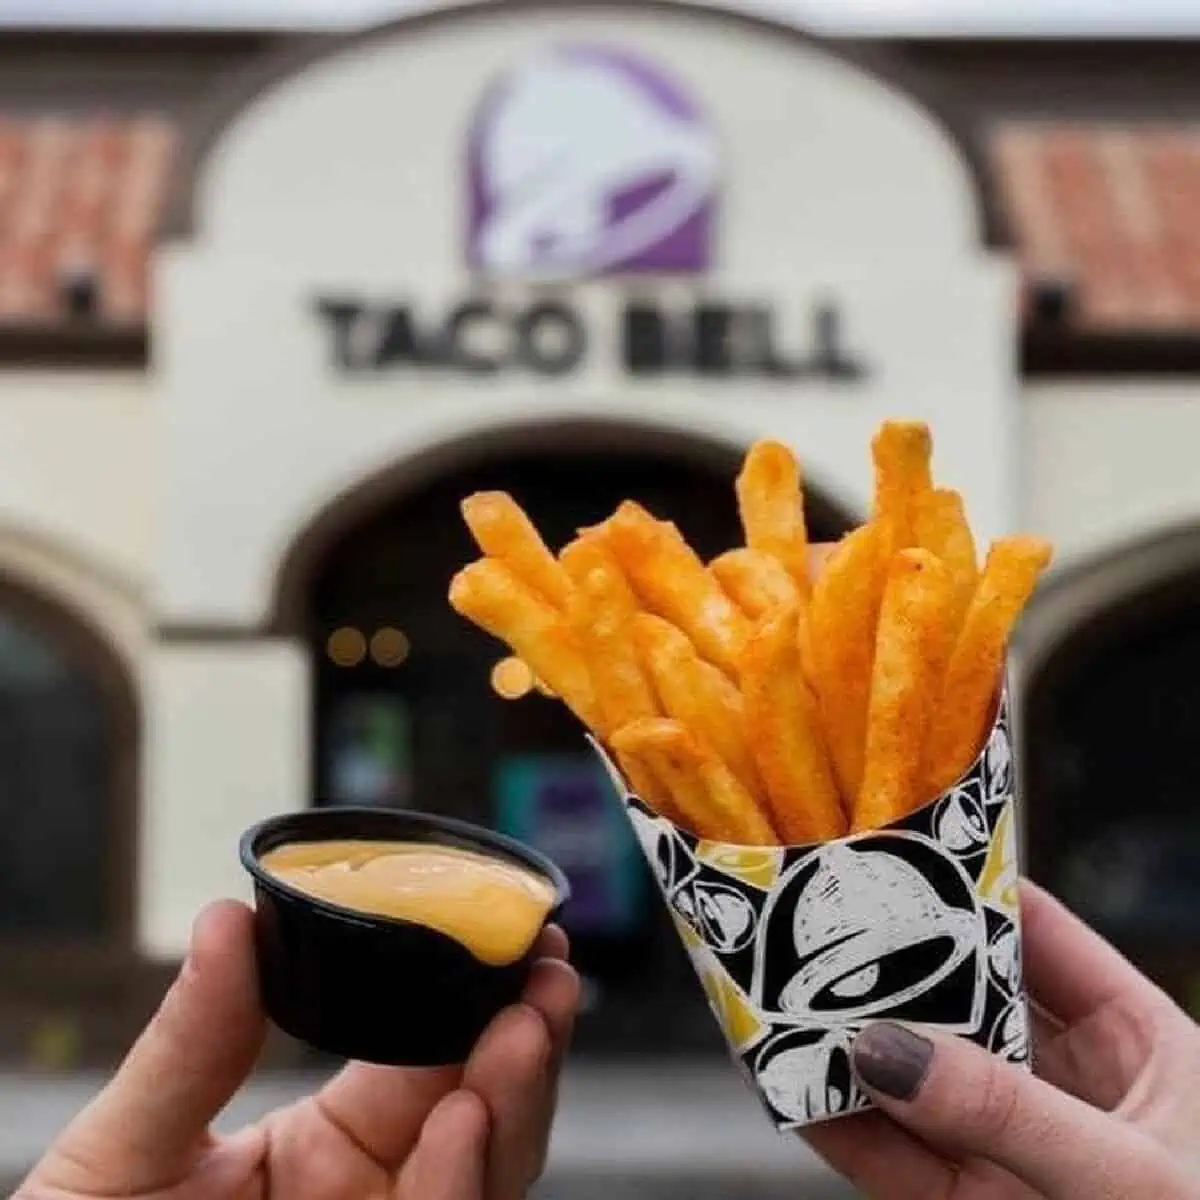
{"x": 281, "y": 282}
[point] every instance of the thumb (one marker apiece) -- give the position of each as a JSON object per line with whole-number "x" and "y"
{"x": 145, "y": 1129}
{"x": 962, "y": 1100}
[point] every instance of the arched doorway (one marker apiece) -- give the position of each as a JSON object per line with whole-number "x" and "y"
{"x": 68, "y": 764}
{"x": 1112, "y": 808}
{"x": 409, "y": 717}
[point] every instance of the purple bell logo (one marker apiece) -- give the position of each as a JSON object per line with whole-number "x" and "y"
{"x": 586, "y": 161}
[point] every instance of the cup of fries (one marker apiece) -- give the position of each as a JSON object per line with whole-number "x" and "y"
{"x": 811, "y": 742}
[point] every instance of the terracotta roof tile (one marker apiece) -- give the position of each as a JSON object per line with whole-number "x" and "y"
{"x": 1113, "y": 212}
{"x": 79, "y": 195}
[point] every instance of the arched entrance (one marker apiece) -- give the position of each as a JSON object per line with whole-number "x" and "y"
{"x": 1112, "y": 807}
{"x": 408, "y": 716}
{"x": 68, "y": 805}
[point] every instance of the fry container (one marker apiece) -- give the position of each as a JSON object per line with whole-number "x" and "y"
{"x": 799, "y": 947}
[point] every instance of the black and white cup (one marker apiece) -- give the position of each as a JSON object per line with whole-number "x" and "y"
{"x": 799, "y": 947}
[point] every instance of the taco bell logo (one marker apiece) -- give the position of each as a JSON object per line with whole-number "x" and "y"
{"x": 586, "y": 161}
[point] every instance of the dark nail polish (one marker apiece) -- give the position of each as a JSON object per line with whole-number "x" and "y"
{"x": 892, "y": 1060}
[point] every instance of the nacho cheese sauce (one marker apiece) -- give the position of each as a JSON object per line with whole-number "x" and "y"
{"x": 493, "y": 907}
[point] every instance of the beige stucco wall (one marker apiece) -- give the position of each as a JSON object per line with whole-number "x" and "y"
{"x": 78, "y": 463}
{"x": 1109, "y": 461}
{"x": 1109, "y": 467}
{"x": 227, "y": 744}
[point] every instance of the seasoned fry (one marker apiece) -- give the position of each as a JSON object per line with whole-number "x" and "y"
{"x": 783, "y": 723}
{"x": 842, "y": 621}
{"x": 911, "y": 650}
{"x": 818, "y": 555}
{"x": 757, "y": 582}
{"x": 771, "y": 507}
{"x": 600, "y": 617}
{"x": 589, "y": 551}
{"x": 672, "y": 582}
{"x": 696, "y": 693}
{"x": 902, "y": 451}
{"x": 503, "y": 532}
{"x": 641, "y": 778}
{"x": 512, "y": 678}
{"x": 974, "y": 675}
{"x": 490, "y": 594}
{"x": 703, "y": 789}
{"x": 941, "y": 528}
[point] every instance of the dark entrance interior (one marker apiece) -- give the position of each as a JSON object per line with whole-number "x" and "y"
{"x": 405, "y": 713}
{"x": 72, "y": 992}
{"x": 1112, "y": 808}
{"x": 67, "y": 739}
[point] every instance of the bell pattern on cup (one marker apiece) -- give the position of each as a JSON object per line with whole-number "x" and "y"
{"x": 799, "y": 947}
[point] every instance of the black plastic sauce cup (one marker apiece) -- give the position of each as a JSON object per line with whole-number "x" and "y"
{"x": 378, "y": 988}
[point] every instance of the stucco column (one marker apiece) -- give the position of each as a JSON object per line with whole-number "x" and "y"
{"x": 227, "y": 743}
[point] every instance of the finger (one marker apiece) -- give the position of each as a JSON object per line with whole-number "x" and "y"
{"x": 448, "y": 1163}
{"x": 553, "y": 943}
{"x": 1072, "y": 970}
{"x": 509, "y": 1071}
{"x": 554, "y": 990}
{"x": 146, "y": 1128}
{"x": 879, "y": 1158}
{"x": 1049, "y": 1061}
{"x": 382, "y": 1109}
{"x": 965, "y": 1102}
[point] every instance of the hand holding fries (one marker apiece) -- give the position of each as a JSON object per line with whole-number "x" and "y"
{"x": 783, "y": 693}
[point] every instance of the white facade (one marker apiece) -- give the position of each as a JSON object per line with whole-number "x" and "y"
{"x": 164, "y": 504}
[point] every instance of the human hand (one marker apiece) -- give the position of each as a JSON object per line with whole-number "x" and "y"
{"x": 1113, "y": 1111}
{"x": 478, "y": 1132}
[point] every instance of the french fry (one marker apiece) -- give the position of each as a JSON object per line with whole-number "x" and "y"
{"x": 589, "y": 551}
{"x": 671, "y": 581}
{"x": 600, "y": 617}
{"x": 490, "y": 594}
{"x": 639, "y": 774}
{"x": 819, "y": 554}
{"x": 714, "y": 805}
{"x": 941, "y": 528}
{"x": 842, "y": 620}
{"x": 504, "y": 532}
{"x": 902, "y": 452}
{"x": 911, "y": 650}
{"x": 695, "y": 693}
{"x": 771, "y": 507}
{"x": 757, "y": 582}
{"x": 975, "y": 671}
{"x": 512, "y": 678}
{"x": 783, "y": 723}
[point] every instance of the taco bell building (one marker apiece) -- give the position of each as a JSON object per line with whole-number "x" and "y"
{"x": 578, "y": 252}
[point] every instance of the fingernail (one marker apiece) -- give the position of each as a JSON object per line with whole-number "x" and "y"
{"x": 891, "y": 1059}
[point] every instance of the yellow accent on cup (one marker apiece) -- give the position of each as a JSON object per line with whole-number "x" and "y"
{"x": 998, "y": 880}
{"x": 757, "y": 867}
